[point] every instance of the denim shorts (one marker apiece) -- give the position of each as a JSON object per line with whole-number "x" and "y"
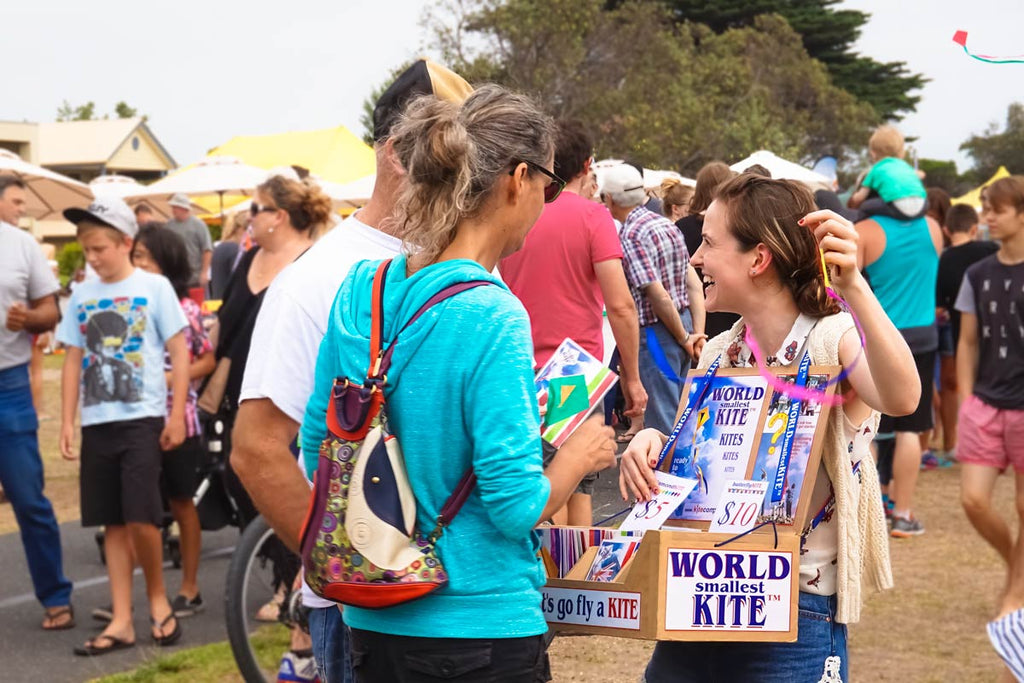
{"x": 819, "y": 654}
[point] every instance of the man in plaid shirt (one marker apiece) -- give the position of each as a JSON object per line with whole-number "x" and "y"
{"x": 668, "y": 294}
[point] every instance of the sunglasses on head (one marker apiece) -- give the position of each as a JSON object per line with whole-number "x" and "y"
{"x": 255, "y": 208}
{"x": 554, "y": 186}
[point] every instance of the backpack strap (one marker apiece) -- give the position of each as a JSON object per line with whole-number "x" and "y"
{"x": 377, "y": 320}
{"x": 380, "y": 361}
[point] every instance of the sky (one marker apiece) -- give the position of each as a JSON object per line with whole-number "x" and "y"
{"x": 207, "y": 71}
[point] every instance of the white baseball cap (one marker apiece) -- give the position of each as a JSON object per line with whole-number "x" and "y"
{"x": 111, "y": 211}
{"x": 180, "y": 200}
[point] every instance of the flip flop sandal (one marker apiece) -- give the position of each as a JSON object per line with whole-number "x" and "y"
{"x": 170, "y": 638}
{"x": 91, "y": 649}
{"x": 51, "y": 617}
{"x": 625, "y": 437}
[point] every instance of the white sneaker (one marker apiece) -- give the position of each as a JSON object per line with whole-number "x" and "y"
{"x": 297, "y": 669}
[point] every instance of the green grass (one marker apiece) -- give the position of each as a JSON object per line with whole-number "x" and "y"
{"x": 212, "y": 662}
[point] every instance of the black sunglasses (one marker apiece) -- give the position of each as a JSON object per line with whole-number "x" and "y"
{"x": 255, "y": 208}
{"x": 553, "y": 188}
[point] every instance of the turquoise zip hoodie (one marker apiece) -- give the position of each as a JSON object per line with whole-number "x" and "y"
{"x": 460, "y": 394}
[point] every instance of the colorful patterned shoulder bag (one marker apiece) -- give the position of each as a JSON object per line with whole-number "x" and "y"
{"x": 359, "y": 543}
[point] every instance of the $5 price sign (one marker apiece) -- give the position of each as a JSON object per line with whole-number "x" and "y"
{"x": 652, "y": 514}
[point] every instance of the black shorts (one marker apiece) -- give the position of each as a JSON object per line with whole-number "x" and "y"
{"x": 388, "y": 657}
{"x": 586, "y": 485}
{"x": 921, "y": 420}
{"x": 120, "y": 478}
{"x": 179, "y": 469}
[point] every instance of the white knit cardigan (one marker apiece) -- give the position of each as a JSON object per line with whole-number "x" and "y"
{"x": 862, "y": 532}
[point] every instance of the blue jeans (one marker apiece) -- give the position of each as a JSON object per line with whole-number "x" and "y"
{"x": 21, "y": 475}
{"x": 662, "y": 393}
{"x": 330, "y": 645}
{"x": 819, "y": 654}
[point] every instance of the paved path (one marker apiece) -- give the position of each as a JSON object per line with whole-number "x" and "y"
{"x": 29, "y": 653}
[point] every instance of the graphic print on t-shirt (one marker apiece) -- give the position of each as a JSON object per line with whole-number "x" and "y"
{"x": 113, "y": 362}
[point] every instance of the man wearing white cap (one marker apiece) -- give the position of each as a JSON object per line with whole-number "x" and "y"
{"x": 196, "y": 236}
{"x": 668, "y": 296}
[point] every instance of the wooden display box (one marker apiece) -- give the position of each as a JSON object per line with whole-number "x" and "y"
{"x": 684, "y": 583}
{"x": 654, "y": 597}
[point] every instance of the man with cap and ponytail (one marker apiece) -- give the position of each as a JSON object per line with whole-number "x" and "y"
{"x": 280, "y": 372}
{"x": 668, "y": 295}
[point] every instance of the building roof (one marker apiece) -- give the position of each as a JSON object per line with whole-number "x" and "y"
{"x": 75, "y": 143}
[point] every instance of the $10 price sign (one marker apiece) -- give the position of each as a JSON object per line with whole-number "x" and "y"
{"x": 739, "y": 506}
{"x": 652, "y": 514}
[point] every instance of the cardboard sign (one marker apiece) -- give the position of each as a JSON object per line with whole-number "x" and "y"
{"x": 739, "y": 507}
{"x": 728, "y": 591}
{"x": 610, "y": 609}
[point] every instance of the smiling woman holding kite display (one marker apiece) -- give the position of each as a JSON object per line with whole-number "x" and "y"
{"x": 770, "y": 256}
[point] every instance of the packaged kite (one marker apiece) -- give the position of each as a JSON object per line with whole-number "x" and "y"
{"x": 569, "y": 386}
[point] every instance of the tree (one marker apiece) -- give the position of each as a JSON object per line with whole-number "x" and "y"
{"x": 994, "y": 148}
{"x": 87, "y": 111}
{"x": 828, "y": 35}
{"x": 943, "y": 174}
{"x": 687, "y": 97}
{"x": 123, "y": 111}
{"x": 83, "y": 112}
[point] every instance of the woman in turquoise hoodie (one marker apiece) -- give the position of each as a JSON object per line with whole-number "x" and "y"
{"x": 460, "y": 391}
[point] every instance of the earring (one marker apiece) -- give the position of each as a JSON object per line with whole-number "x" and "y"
{"x": 270, "y": 230}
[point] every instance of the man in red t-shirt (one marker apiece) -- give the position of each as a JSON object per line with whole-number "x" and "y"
{"x": 568, "y": 271}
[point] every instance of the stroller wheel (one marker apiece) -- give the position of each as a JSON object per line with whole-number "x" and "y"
{"x": 100, "y": 538}
{"x": 174, "y": 550}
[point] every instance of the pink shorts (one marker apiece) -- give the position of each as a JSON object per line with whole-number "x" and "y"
{"x": 990, "y": 436}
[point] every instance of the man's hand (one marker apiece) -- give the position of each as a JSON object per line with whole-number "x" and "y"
{"x": 694, "y": 345}
{"x": 67, "y": 438}
{"x": 636, "y": 397}
{"x": 592, "y": 445}
{"x": 17, "y": 316}
{"x": 173, "y": 434}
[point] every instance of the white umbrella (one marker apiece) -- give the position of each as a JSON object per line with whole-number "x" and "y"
{"x": 48, "y": 193}
{"x": 219, "y": 175}
{"x": 125, "y": 187}
{"x": 782, "y": 169}
{"x": 354, "y": 194}
{"x": 654, "y": 178}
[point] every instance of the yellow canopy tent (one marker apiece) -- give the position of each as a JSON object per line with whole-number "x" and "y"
{"x": 973, "y": 198}
{"x": 333, "y": 154}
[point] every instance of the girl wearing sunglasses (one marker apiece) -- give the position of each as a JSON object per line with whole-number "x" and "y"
{"x": 760, "y": 258}
{"x": 460, "y": 392}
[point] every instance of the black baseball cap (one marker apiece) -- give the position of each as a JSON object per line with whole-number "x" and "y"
{"x": 423, "y": 77}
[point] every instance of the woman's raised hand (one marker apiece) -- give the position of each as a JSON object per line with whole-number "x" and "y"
{"x": 837, "y": 239}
